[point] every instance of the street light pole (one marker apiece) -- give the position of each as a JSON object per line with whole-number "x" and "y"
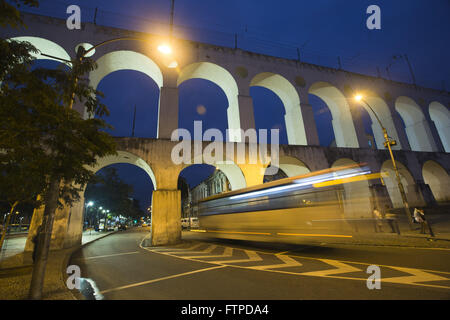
{"x": 388, "y": 142}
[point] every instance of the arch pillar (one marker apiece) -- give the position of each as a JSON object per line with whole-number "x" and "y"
{"x": 246, "y": 112}
{"x": 312, "y": 137}
{"x": 361, "y": 135}
{"x": 167, "y": 112}
{"x": 166, "y": 217}
{"x": 253, "y": 173}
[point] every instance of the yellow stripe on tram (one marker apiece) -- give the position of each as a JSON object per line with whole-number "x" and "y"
{"x": 314, "y": 235}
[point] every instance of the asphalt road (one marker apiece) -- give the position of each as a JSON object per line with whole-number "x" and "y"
{"x": 120, "y": 266}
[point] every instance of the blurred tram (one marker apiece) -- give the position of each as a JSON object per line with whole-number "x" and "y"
{"x": 305, "y": 206}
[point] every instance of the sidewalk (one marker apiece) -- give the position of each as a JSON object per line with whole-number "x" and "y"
{"x": 15, "y": 276}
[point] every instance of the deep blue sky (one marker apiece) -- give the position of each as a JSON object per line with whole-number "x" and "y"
{"x": 322, "y": 29}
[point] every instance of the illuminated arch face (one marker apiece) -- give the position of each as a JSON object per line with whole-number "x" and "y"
{"x": 126, "y": 157}
{"x": 288, "y": 95}
{"x": 385, "y": 116}
{"x": 343, "y": 127}
{"x": 437, "y": 179}
{"x": 441, "y": 118}
{"x": 416, "y": 126}
{"x": 47, "y": 47}
{"x": 221, "y": 77}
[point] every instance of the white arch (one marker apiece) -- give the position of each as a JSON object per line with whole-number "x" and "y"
{"x": 293, "y": 166}
{"x": 125, "y": 157}
{"x": 385, "y": 115}
{"x": 233, "y": 174}
{"x": 357, "y": 202}
{"x": 416, "y": 126}
{"x": 438, "y": 180}
{"x": 441, "y": 118}
{"x": 221, "y": 77}
{"x": 286, "y": 92}
{"x": 125, "y": 60}
{"x": 343, "y": 127}
{"x": 413, "y": 196}
{"x": 47, "y": 47}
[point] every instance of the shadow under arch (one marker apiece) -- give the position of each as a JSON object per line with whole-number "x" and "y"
{"x": 416, "y": 126}
{"x": 343, "y": 126}
{"x": 357, "y": 195}
{"x": 221, "y": 77}
{"x": 441, "y": 118}
{"x": 413, "y": 196}
{"x": 437, "y": 179}
{"x": 286, "y": 92}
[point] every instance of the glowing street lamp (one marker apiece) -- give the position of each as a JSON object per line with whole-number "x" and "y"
{"x": 388, "y": 143}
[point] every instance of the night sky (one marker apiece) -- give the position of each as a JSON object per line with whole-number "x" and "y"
{"x": 322, "y": 29}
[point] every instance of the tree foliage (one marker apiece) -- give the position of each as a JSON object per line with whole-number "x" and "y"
{"x": 109, "y": 191}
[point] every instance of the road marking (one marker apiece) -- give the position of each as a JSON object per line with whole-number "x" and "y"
{"x": 209, "y": 249}
{"x": 288, "y": 262}
{"x": 417, "y": 276}
{"x": 228, "y": 252}
{"x": 340, "y": 268}
{"x": 314, "y": 235}
{"x": 167, "y": 250}
{"x": 252, "y": 256}
{"x": 160, "y": 279}
{"x": 107, "y": 256}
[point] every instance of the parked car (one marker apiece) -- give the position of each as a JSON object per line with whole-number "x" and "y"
{"x": 122, "y": 227}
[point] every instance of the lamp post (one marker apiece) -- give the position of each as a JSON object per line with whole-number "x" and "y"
{"x": 388, "y": 142}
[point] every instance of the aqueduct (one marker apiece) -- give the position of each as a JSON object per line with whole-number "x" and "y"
{"x": 417, "y": 118}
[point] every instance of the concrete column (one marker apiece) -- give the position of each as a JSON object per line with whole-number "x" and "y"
{"x": 312, "y": 137}
{"x": 253, "y": 173}
{"x": 399, "y": 126}
{"x": 246, "y": 112}
{"x": 166, "y": 217}
{"x": 359, "y": 126}
{"x": 167, "y": 112}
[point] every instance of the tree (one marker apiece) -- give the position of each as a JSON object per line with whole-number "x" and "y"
{"x": 109, "y": 191}
{"x": 44, "y": 143}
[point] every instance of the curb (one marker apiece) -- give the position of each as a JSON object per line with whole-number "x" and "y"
{"x": 75, "y": 293}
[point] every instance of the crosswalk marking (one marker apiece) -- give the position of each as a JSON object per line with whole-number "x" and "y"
{"x": 340, "y": 268}
{"x": 288, "y": 262}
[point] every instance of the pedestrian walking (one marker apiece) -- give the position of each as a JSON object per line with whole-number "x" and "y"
{"x": 378, "y": 220}
{"x": 419, "y": 217}
{"x": 391, "y": 219}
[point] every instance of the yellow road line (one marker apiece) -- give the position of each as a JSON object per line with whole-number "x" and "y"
{"x": 314, "y": 235}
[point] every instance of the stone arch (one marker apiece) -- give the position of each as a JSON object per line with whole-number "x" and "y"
{"x": 413, "y": 196}
{"x": 46, "y": 46}
{"x": 224, "y": 79}
{"x": 385, "y": 116}
{"x": 286, "y": 92}
{"x": 125, "y": 60}
{"x": 357, "y": 195}
{"x": 293, "y": 166}
{"x": 438, "y": 180}
{"x": 416, "y": 126}
{"x": 343, "y": 126}
{"x": 441, "y": 118}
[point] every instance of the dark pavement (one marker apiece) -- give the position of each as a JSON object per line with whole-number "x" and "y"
{"x": 120, "y": 266}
